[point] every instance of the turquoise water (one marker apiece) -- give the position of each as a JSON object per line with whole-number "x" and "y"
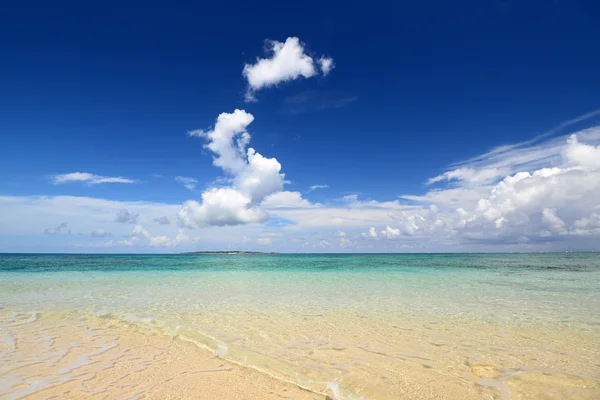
{"x": 260, "y": 307}
{"x": 556, "y": 287}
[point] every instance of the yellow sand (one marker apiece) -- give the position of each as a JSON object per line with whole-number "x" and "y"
{"x": 52, "y": 355}
{"x": 65, "y": 359}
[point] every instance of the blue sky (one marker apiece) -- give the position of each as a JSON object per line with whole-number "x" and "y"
{"x": 414, "y": 91}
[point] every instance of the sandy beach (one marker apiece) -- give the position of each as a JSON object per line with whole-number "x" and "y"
{"x": 361, "y": 327}
{"x": 56, "y": 356}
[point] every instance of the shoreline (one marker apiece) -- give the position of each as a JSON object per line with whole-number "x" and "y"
{"x": 384, "y": 328}
{"x": 59, "y": 354}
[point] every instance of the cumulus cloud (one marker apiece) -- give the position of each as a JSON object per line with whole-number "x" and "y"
{"x": 287, "y": 199}
{"x": 159, "y": 241}
{"x": 187, "y": 182}
{"x": 220, "y": 207}
{"x": 126, "y": 217}
{"x": 326, "y": 64}
{"x": 89, "y": 179}
{"x": 390, "y": 233}
{"x": 59, "y": 229}
{"x": 554, "y": 207}
{"x": 580, "y": 154}
{"x": 345, "y": 242}
{"x": 286, "y": 62}
{"x": 162, "y": 220}
{"x": 139, "y": 233}
{"x": 100, "y": 233}
{"x": 372, "y": 233}
{"x": 254, "y": 177}
{"x": 526, "y": 206}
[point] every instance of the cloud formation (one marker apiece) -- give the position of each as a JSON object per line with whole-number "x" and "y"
{"x": 162, "y": 220}
{"x": 126, "y": 217}
{"x": 139, "y": 233}
{"x": 315, "y": 187}
{"x": 187, "y": 182}
{"x": 100, "y": 233}
{"x": 54, "y": 231}
{"x": 552, "y": 207}
{"x": 89, "y": 179}
{"x": 551, "y": 202}
{"x": 286, "y": 62}
{"x": 254, "y": 177}
{"x": 326, "y": 64}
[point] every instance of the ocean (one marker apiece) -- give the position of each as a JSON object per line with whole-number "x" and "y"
{"x": 350, "y": 326}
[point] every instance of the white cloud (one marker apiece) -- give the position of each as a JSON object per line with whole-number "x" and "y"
{"x": 286, "y": 199}
{"x": 326, "y": 64}
{"x": 372, "y": 233}
{"x": 100, "y": 233}
{"x": 187, "y": 182}
{"x": 543, "y": 209}
{"x": 88, "y": 178}
{"x": 553, "y": 222}
{"x": 529, "y": 155}
{"x": 286, "y": 62}
{"x": 139, "y": 233}
{"x": 254, "y": 177}
{"x": 126, "y": 217}
{"x": 159, "y": 241}
{"x": 579, "y": 154}
{"x": 525, "y": 206}
{"x": 469, "y": 175}
{"x": 228, "y": 140}
{"x": 390, "y": 233}
{"x": 220, "y": 207}
{"x": 181, "y": 237}
{"x": 315, "y": 187}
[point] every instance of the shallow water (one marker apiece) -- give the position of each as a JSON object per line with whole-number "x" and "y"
{"x": 353, "y": 326}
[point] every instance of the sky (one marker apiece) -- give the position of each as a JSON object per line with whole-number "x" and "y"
{"x": 436, "y": 126}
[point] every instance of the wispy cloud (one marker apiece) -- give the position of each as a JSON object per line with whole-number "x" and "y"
{"x": 542, "y": 150}
{"x": 187, "y": 182}
{"x": 315, "y": 187}
{"x": 89, "y": 179}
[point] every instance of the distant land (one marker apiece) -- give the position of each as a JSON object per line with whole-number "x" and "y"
{"x": 227, "y": 252}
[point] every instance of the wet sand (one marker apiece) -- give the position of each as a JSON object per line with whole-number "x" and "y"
{"x": 57, "y": 357}
{"x": 69, "y": 355}
{"x": 381, "y": 327}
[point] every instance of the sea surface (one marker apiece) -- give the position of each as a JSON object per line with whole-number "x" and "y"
{"x": 354, "y": 326}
